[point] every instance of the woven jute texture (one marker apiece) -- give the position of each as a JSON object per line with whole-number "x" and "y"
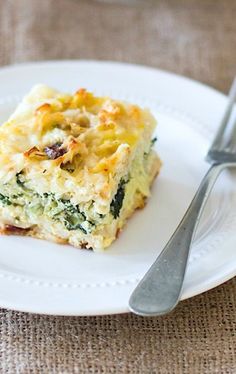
{"x": 193, "y": 38}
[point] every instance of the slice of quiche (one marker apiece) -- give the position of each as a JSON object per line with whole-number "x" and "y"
{"x": 73, "y": 168}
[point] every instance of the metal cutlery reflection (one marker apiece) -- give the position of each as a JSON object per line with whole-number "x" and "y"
{"x": 160, "y": 289}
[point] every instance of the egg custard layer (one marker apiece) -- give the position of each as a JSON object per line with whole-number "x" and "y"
{"x": 73, "y": 168}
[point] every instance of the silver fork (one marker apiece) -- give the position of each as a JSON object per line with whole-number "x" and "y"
{"x": 160, "y": 289}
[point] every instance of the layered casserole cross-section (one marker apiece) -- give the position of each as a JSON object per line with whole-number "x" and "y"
{"x": 73, "y": 168}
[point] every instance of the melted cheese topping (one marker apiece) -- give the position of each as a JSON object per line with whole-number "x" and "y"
{"x": 99, "y": 138}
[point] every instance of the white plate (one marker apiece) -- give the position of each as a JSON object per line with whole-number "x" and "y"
{"x": 37, "y": 276}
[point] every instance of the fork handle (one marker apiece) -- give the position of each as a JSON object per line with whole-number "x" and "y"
{"x": 160, "y": 289}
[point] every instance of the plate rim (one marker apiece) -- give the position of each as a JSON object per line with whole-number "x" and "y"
{"x": 200, "y": 85}
{"x": 114, "y": 63}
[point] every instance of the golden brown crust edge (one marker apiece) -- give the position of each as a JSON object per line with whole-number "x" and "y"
{"x": 32, "y": 232}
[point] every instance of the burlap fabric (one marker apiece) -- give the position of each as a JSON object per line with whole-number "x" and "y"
{"x": 194, "y": 38}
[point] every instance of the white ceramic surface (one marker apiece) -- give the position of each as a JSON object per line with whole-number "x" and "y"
{"x": 37, "y": 276}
